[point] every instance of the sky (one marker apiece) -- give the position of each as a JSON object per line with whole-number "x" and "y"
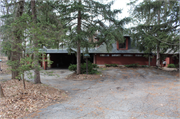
{"x": 122, "y": 4}
{"x": 119, "y": 4}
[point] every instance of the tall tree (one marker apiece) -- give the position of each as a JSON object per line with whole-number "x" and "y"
{"x": 157, "y": 25}
{"x": 44, "y": 29}
{"x": 83, "y": 18}
{"x": 79, "y": 40}
{"x": 35, "y": 41}
{"x": 16, "y": 52}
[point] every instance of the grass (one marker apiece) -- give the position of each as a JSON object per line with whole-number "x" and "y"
{"x": 98, "y": 73}
{"x": 103, "y": 69}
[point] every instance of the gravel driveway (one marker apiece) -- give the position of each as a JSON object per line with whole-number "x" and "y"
{"x": 122, "y": 94}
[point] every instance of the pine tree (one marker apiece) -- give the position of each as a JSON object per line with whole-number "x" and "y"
{"x": 16, "y": 52}
{"x": 83, "y": 18}
{"x": 45, "y": 26}
{"x": 157, "y": 25}
{"x": 35, "y": 40}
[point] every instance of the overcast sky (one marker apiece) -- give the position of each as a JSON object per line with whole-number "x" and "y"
{"x": 122, "y": 4}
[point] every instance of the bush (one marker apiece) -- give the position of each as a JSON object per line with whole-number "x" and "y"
{"x": 132, "y": 65}
{"x": 91, "y": 70}
{"x": 171, "y": 66}
{"x": 95, "y": 66}
{"x": 107, "y": 65}
{"x": 72, "y": 67}
{"x": 114, "y": 65}
{"x": 111, "y": 65}
{"x": 143, "y": 66}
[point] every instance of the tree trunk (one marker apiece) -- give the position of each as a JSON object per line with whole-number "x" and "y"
{"x": 16, "y": 50}
{"x": 157, "y": 47}
{"x": 1, "y": 92}
{"x": 79, "y": 43}
{"x": 158, "y": 55}
{"x": 149, "y": 60}
{"x": 86, "y": 65}
{"x": 36, "y": 56}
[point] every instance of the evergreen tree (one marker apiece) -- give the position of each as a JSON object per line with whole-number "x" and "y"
{"x": 42, "y": 28}
{"x": 83, "y": 18}
{"x": 35, "y": 40}
{"x": 158, "y": 21}
{"x": 15, "y": 34}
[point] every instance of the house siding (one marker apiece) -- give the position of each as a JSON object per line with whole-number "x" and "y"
{"x": 122, "y": 60}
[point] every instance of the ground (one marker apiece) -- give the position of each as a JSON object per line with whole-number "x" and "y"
{"x": 118, "y": 93}
{"x": 19, "y": 102}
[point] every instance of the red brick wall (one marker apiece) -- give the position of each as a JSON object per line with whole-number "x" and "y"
{"x": 153, "y": 63}
{"x": 122, "y": 60}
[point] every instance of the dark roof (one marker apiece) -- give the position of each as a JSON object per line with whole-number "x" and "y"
{"x": 102, "y": 49}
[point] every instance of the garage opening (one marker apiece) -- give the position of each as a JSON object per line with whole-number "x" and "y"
{"x": 63, "y": 60}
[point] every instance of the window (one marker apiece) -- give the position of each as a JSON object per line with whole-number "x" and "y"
{"x": 122, "y": 45}
{"x": 116, "y": 55}
{"x": 138, "y": 55}
{"x": 104, "y": 55}
{"x": 127, "y": 55}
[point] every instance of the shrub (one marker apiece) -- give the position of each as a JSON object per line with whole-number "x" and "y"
{"x": 171, "y": 66}
{"x": 95, "y": 66}
{"x": 132, "y": 65}
{"x": 91, "y": 70}
{"x": 107, "y": 65}
{"x": 114, "y": 65}
{"x": 111, "y": 65}
{"x": 72, "y": 67}
{"x": 83, "y": 67}
{"x": 143, "y": 66}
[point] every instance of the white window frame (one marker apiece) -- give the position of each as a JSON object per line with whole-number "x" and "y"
{"x": 128, "y": 55}
{"x": 104, "y": 55}
{"x": 138, "y": 55}
{"x": 116, "y": 55}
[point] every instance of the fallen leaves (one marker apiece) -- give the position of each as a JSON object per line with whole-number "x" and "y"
{"x": 19, "y": 102}
{"x": 84, "y": 76}
{"x": 5, "y": 68}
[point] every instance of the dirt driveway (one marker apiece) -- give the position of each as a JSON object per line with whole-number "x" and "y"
{"x": 122, "y": 94}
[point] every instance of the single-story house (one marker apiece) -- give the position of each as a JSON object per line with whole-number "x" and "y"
{"x": 121, "y": 54}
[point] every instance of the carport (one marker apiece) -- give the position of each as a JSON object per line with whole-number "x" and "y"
{"x": 62, "y": 60}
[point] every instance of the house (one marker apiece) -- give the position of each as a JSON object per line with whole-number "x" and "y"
{"x": 121, "y": 54}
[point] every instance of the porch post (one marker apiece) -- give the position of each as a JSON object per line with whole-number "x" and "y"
{"x": 94, "y": 59}
{"x": 44, "y": 61}
{"x": 167, "y": 61}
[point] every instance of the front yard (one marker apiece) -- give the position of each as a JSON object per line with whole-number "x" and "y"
{"x": 114, "y": 93}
